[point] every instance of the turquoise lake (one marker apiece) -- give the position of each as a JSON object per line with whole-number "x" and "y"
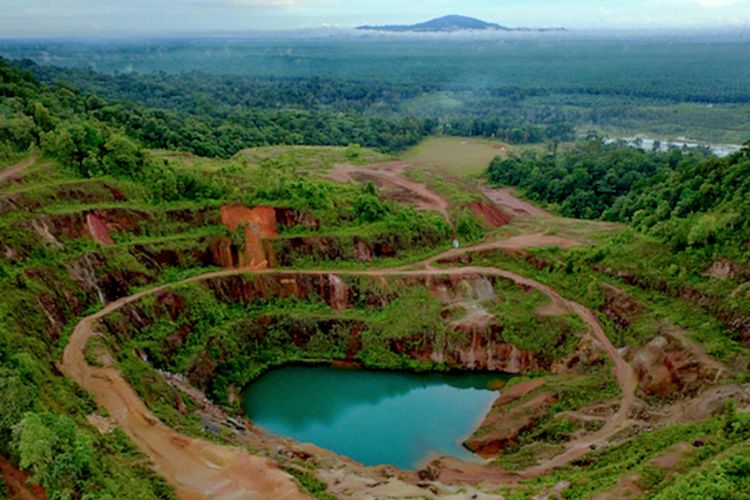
{"x": 374, "y": 417}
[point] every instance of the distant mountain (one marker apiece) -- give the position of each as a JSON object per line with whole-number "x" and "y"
{"x": 446, "y": 24}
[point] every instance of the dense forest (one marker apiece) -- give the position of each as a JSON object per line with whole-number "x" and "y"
{"x": 252, "y": 111}
{"x": 690, "y": 199}
{"x": 524, "y": 88}
{"x": 219, "y": 134}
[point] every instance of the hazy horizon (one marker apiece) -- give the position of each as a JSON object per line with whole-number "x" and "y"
{"x": 103, "y": 18}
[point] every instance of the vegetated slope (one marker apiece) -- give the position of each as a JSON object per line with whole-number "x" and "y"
{"x": 694, "y": 201}
{"x": 696, "y": 207}
{"x": 214, "y": 129}
{"x": 381, "y": 114}
{"x": 663, "y": 86}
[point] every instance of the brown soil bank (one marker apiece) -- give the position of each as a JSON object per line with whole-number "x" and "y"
{"x": 506, "y": 200}
{"x": 18, "y": 483}
{"x": 491, "y": 215}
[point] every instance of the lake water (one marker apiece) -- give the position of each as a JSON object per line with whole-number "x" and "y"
{"x": 374, "y": 417}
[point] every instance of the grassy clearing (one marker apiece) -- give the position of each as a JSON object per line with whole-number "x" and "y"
{"x": 459, "y": 156}
{"x": 313, "y": 158}
{"x": 465, "y": 156}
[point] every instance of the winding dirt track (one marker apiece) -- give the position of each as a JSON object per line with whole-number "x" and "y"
{"x": 196, "y": 467}
{"x": 201, "y": 469}
{"x": 16, "y": 170}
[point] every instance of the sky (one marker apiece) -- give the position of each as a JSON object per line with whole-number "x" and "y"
{"x": 38, "y": 18}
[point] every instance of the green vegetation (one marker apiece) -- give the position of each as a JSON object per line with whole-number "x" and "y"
{"x": 460, "y": 157}
{"x": 718, "y": 460}
{"x": 316, "y": 487}
{"x": 660, "y": 86}
{"x": 693, "y": 202}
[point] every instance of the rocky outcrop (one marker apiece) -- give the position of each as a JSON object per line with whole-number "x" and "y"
{"x": 508, "y": 420}
{"x": 666, "y": 370}
{"x": 621, "y": 307}
{"x": 253, "y": 230}
{"x": 724, "y": 269}
{"x": 485, "y": 354}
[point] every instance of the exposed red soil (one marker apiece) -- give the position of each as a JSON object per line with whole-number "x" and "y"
{"x": 516, "y": 392}
{"x": 668, "y": 370}
{"x": 390, "y": 180}
{"x": 491, "y": 215}
{"x": 97, "y": 228}
{"x": 620, "y": 306}
{"x": 257, "y": 224}
{"x": 18, "y": 483}
{"x": 707, "y": 403}
{"x": 449, "y": 470}
{"x": 200, "y": 464}
{"x": 506, "y": 200}
{"x": 197, "y": 468}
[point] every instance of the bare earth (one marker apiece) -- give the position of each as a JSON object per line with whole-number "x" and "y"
{"x": 506, "y": 200}
{"x": 18, "y": 169}
{"x": 389, "y": 178}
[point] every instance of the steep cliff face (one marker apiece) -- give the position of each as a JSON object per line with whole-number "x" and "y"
{"x": 346, "y": 334}
{"x": 253, "y": 229}
{"x": 100, "y": 225}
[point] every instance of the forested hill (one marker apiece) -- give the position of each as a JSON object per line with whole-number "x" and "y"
{"x": 445, "y": 24}
{"x": 196, "y": 127}
{"x": 377, "y": 114}
{"x": 695, "y": 201}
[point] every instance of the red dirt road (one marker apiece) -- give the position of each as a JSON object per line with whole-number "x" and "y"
{"x": 15, "y": 171}
{"x": 18, "y": 485}
{"x": 390, "y": 179}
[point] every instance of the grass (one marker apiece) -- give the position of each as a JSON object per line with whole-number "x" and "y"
{"x": 464, "y": 156}
{"x": 459, "y": 156}
{"x": 312, "y": 158}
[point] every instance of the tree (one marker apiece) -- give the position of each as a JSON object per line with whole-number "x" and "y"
{"x": 58, "y": 454}
{"x": 17, "y": 396}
